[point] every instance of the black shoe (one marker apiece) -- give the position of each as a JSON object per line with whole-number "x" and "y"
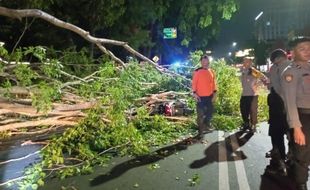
{"x": 282, "y": 172}
{"x": 208, "y": 130}
{"x": 271, "y": 170}
{"x": 289, "y": 163}
{"x": 302, "y": 186}
{"x": 253, "y": 129}
{"x": 244, "y": 127}
{"x": 289, "y": 168}
{"x": 277, "y": 169}
{"x": 275, "y": 156}
{"x": 199, "y": 136}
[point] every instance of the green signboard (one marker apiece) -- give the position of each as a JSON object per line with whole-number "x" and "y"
{"x": 170, "y": 33}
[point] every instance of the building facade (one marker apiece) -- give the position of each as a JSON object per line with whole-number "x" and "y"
{"x": 283, "y": 19}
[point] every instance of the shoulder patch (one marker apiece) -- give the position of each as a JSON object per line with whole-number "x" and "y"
{"x": 290, "y": 66}
{"x": 288, "y": 77}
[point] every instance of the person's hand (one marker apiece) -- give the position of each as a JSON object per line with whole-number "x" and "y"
{"x": 266, "y": 81}
{"x": 196, "y": 97}
{"x": 299, "y": 136}
{"x": 255, "y": 87}
{"x": 214, "y": 97}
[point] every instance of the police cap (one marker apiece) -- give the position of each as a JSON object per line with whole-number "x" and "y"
{"x": 276, "y": 54}
{"x": 297, "y": 40}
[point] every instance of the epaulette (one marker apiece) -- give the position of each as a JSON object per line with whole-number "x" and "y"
{"x": 288, "y": 67}
{"x": 198, "y": 69}
{"x": 297, "y": 66}
{"x": 293, "y": 65}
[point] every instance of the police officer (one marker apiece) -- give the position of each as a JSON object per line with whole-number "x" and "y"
{"x": 277, "y": 117}
{"x": 295, "y": 82}
{"x": 204, "y": 91}
{"x": 249, "y": 97}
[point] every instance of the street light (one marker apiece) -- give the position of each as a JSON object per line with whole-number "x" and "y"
{"x": 258, "y": 29}
{"x": 259, "y": 15}
{"x": 234, "y": 44}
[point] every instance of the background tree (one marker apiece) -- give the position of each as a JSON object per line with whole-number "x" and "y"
{"x": 136, "y": 21}
{"x": 89, "y": 15}
{"x": 261, "y": 53}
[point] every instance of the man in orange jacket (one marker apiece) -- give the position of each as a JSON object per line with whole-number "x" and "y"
{"x": 204, "y": 91}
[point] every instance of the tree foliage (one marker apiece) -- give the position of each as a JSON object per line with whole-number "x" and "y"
{"x": 199, "y": 21}
{"x": 138, "y": 22}
{"x": 130, "y": 129}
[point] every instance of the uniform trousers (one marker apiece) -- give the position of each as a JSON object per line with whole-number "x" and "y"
{"x": 278, "y": 125}
{"x": 301, "y": 154}
{"x": 248, "y": 109}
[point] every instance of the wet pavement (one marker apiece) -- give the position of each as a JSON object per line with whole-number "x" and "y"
{"x": 224, "y": 161}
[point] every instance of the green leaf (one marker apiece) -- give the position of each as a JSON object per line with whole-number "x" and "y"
{"x": 40, "y": 182}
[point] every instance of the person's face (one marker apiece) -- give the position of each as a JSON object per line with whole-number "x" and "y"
{"x": 301, "y": 53}
{"x": 205, "y": 62}
{"x": 247, "y": 63}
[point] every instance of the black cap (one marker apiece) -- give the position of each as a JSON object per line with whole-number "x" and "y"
{"x": 205, "y": 56}
{"x": 297, "y": 40}
{"x": 276, "y": 54}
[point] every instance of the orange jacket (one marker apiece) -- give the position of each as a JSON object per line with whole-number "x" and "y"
{"x": 203, "y": 83}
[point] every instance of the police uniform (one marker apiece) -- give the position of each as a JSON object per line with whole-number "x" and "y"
{"x": 295, "y": 81}
{"x": 249, "y": 98}
{"x": 277, "y": 117}
{"x": 204, "y": 85}
{"x": 275, "y": 76}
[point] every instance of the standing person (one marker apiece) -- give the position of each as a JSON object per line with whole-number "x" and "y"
{"x": 277, "y": 118}
{"x": 295, "y": 82}
{"x": 249, "y": 97}
{"x": 204, "y": 91}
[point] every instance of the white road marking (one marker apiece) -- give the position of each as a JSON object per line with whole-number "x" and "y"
{"x": 223, "y": 165}
{"x": 240, "y": 169}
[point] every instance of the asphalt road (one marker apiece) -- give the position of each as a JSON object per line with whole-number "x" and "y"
{"x": 224, "y": 161}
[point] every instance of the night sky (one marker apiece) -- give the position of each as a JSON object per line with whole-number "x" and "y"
{"x": 240, "y": 28}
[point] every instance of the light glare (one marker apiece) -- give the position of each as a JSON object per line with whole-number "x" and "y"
{"x": 259, "y": 15}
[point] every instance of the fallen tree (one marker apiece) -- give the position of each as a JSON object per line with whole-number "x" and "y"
{"x": 102, "y": 107}
{"x": 20, "y": 91}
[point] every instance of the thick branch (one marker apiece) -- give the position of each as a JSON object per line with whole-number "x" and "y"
{"x": 16, "y": 90}
{"x": 48, "y": 121}
{"x": 35, "y": 132}
{"x": 32, "y": 112}
{"x": 102, "y": 48}
{"x": 19, "y": 14}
